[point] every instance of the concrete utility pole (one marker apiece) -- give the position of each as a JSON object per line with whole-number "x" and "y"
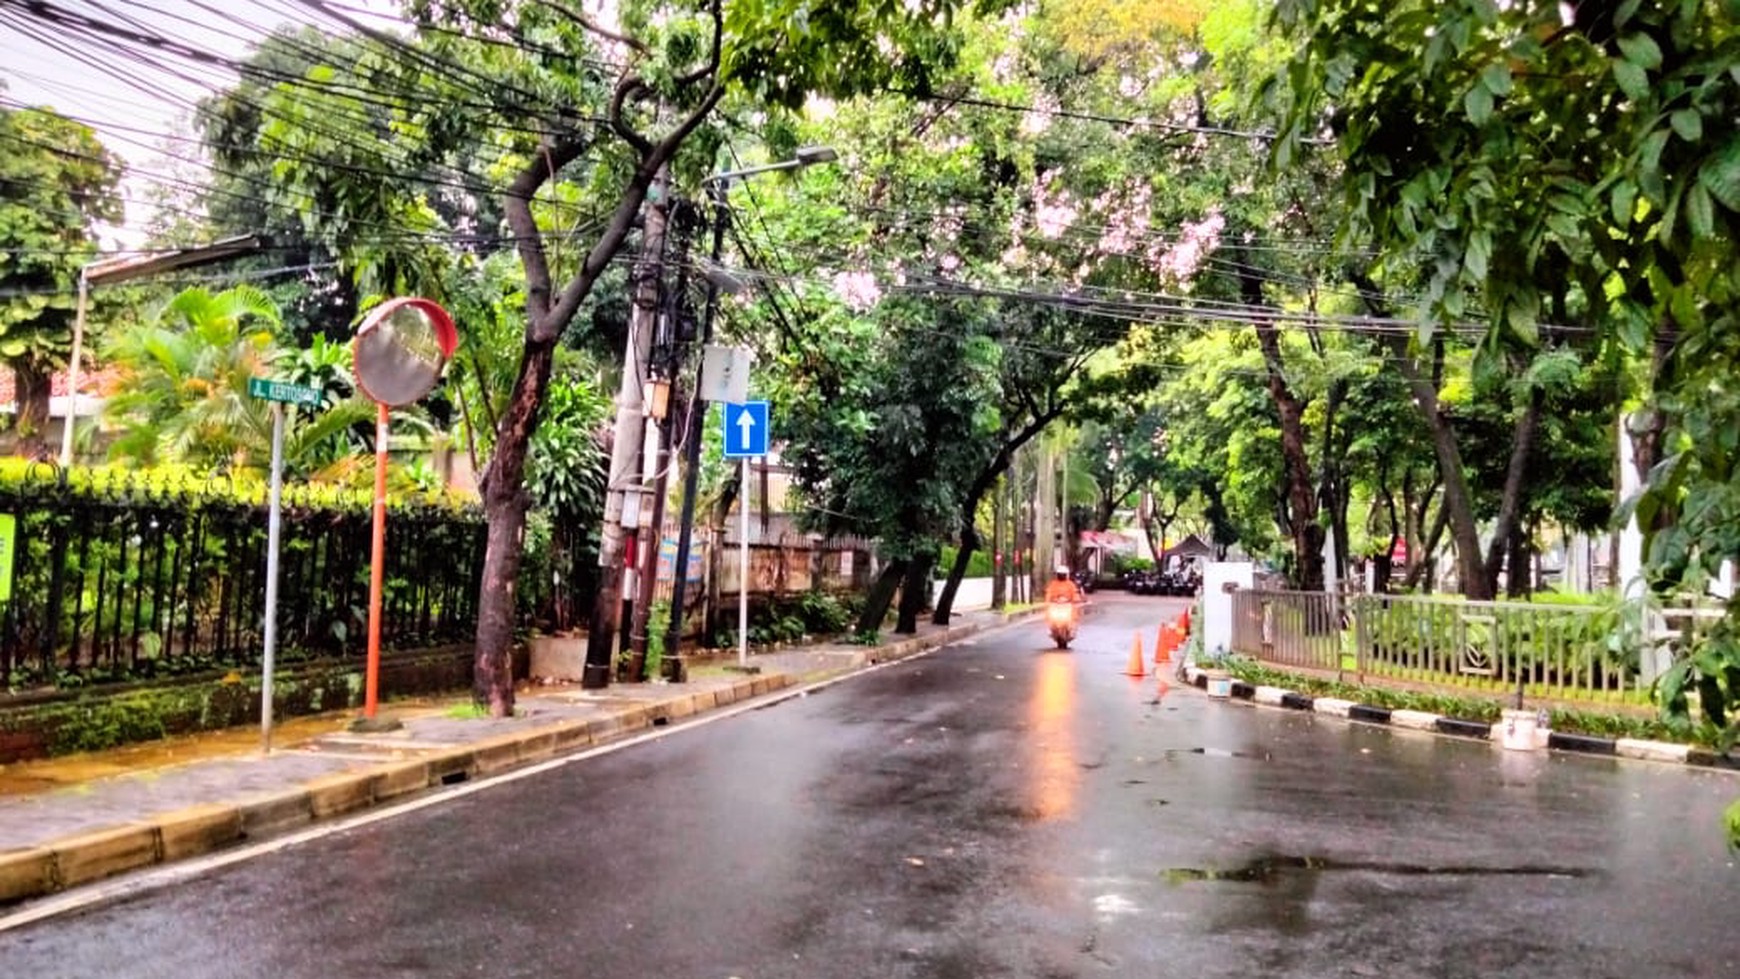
{"x": 1044, "y": 534}
{"x": 626, "y": 493}
{"x": 657, "y": 457}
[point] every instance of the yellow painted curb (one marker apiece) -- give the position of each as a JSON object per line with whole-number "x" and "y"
{"x": 537, "y": 744}
{"x": 334, "y": 795}
{"x": 497, "y": 754}
{"x": 453, "y": 764}
{"x": 104, "y": 852}
{"x": 197, "y": 829}
{"x": 25, "y": 873}
{"x": 401, "y": 778}
{"x": 571, "y": 734}
{"x": 264, "y": 814}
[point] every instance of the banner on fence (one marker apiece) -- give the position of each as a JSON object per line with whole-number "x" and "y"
{"x": 668, "y": 562}
{"x": 8, "y": 544}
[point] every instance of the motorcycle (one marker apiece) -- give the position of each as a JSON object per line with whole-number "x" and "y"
{"x": 1061, "y": 618}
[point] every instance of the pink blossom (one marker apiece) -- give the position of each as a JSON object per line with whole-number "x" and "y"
{"x": 858, "y": 290}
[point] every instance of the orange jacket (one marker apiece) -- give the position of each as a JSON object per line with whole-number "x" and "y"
{"x": 1062, "y": 591}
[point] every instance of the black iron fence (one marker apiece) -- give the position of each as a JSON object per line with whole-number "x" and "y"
{"x": 126, "y": 576}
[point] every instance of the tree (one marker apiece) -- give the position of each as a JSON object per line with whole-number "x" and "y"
{"x": 57, "y": 183}
{"x": 889, "y": 417}
{"x": 1545, "y": 160}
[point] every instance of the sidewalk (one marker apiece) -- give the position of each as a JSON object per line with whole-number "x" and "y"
{"x": 70, "y": 832}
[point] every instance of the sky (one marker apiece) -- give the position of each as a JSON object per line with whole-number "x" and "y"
{"x": 136, "y": 99}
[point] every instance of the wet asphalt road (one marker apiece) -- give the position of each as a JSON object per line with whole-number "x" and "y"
{"x": 992, "y": 810}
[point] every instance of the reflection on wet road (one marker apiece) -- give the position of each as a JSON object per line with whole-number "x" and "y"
{"x": 997, "y": 809}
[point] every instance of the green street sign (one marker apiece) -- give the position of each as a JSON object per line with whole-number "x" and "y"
{"x": 295, "y": 394}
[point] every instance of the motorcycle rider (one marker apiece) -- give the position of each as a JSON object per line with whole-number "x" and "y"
{"x": 1061, "y": 588}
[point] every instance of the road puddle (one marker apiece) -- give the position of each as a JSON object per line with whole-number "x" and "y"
{"x": 1270, "y": 869}
{"x": 1217, "y": 753}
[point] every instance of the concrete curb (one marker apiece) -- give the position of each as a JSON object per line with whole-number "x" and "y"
{"x": 198, "y": 830}
{"x": 1657, "y": 751}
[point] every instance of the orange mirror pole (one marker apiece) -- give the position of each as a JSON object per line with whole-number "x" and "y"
{"x": 377, "y": 565}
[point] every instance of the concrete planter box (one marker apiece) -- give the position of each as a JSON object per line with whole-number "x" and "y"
{"x": 558, "y": 657}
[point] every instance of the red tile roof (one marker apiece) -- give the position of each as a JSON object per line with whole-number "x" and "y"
{"x": 103, "y": 381}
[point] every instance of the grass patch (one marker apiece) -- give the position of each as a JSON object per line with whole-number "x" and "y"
{"x": 468, "y": 711}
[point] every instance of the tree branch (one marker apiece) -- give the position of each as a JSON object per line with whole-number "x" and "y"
{"x": 591, "y": 26}
{"x": 517, "y": 205}
{"x": 712, "y": 65}
{"x": 628, "y": 86}
{"x": 621, "y": 219}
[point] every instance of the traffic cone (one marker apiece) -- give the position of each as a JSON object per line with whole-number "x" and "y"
{"x": 1135, "y": 668}
{"x": 1184, "y": 622}
{"x": 1163, "y": 647}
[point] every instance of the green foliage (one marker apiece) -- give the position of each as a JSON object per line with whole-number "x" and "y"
{"x": 57, "y": 183}
{"x": 657, "y": 622}
{"x": 1483, "y": 709}
{"x": 184, "y": 399}
{"x": 887, "y": 432}
{"x": 978, "y": 564}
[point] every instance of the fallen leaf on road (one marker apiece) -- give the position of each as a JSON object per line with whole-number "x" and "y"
{"x": 915, "y": 861}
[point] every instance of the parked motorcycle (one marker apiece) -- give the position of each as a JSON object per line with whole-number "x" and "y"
{"x": 1061, "y": 618}
{"x": 1085, "y": 580}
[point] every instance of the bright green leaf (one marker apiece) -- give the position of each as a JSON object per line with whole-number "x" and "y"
{"x": 1478, "y": 103}
{"x": 1624, "y": 200}
{"x": 1689, "y": 123}
{"x": 1632, "y": 80}
{"x": 1720, "y": 175}
{"x": 1700, "y": 212}
{"x": 1641, "y": 50}
{"x": 1495, "y": 78}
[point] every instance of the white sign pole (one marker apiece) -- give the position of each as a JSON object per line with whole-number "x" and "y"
{"x": 273, "y": 521}
{"x": 743, "y": 572}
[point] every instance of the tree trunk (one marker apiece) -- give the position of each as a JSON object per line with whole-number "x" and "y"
{"x": 1519, "y": 576}
{"x": 1300, "y": 499}
{"x": 1515, "y": 483}
{"x": 31, "y": 388}
{"x": 912, "y": 593}
{"x": 881, "y": 596}
{"x": 504, "y": 509}
{"x": 945, "y": 602}
{"x": 1457, "y": 505}
{"x": 1420, "y": 565}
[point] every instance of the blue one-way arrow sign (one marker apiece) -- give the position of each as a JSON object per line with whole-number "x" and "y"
{"x": 745, "y": 429}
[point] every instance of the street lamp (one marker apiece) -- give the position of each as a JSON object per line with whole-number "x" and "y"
{"x": 717, "y": 186}
{"x": 120, "y": 269}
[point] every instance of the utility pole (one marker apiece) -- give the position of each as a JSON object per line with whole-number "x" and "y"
{"x": 670, "y": 339}
{"x": 999, "y": 571}
{"x": 626, "y": 491}
{"x": 1044, "y": 503}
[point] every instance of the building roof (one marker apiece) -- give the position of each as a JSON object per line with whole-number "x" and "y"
{"x": 101, "y": 382}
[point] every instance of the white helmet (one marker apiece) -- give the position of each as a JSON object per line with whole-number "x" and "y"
{"x": 1063, "y": 569}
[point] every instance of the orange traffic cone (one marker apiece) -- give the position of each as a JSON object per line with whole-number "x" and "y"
{"x": 1184, "y": 622}
{"x": 1135, "y": 668}
{"x": 1163, "y": 648}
